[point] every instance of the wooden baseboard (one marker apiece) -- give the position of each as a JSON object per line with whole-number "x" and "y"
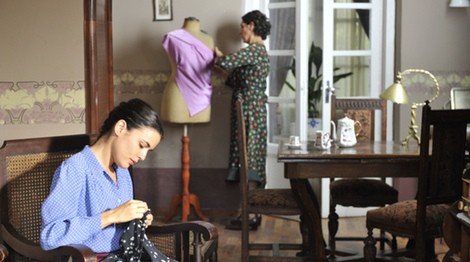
{"x": 157, "y": 186}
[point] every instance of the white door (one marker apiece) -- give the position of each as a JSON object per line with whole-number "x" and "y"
{"x": 354, "y": 41}
{"x": 336, "y": 27}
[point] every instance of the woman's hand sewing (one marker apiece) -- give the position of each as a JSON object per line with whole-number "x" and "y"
{"x": 132, "y": 209}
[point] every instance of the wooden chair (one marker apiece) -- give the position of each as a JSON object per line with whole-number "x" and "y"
{"x": 262, "y": 201}
{"x": 359, "y": 192}
{"x": 442, "y": 161}
{"x": 27, "y": 167}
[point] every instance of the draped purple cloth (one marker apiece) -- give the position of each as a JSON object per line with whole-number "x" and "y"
{"x": 193, "y": 61}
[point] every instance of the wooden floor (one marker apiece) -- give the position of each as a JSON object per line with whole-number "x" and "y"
{"x": 277, "y": 228}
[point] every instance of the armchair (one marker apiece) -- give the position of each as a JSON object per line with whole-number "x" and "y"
{"x": 27, "y": 167}
{"x": 442, "y": 161}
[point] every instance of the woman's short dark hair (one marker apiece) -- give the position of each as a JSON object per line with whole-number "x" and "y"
{"x": 136, "y": 113}
{"x": 261, "y": 22}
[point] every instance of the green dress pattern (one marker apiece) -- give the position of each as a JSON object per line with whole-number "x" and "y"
{"x": 249, "y": 68}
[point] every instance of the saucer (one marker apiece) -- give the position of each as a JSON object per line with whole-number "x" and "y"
{"x": 294, "y": 146}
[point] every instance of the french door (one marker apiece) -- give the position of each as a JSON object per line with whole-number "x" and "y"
{"x": 355, "y": 35}
{"x": 354, "y": 40}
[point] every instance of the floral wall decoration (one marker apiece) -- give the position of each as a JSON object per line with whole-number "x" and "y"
{"x": 421, "y": 87}
{"x": 63, "y": 102}
{"x": 153, "y": 82}
{"x": 139, "y": 82}
{"x": 34, "y": 102}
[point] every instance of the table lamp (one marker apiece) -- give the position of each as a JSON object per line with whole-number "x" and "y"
{"x": 397, "y": 94}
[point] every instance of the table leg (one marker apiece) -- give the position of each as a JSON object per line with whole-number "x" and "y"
{"x": 308, "y": 203}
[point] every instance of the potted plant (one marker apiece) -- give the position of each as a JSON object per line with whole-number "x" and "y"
{"x": 315, "y": 60}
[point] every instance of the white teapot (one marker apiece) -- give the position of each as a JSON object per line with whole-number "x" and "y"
{"x": 345, "y": 135}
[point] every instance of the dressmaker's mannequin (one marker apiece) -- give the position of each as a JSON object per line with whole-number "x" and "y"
{"x": 191, "y": 55}
{"x": 187, "y": 97}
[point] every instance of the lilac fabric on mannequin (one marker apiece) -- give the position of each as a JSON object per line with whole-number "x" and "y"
{"x": 193, "y": 61}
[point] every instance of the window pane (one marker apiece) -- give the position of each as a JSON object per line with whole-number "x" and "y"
{"x": 357, "y": 84}
{"x": 282, "y": 29}
{"x": 281, "y": 120}
{"x": 278, "y": 74}
{"x": 281, "y": 38}
{"x": 351, "y": 29}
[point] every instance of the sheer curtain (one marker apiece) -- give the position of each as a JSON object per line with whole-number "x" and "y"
{"x": 352, "y": 33}
{"x": 282, "y": 38}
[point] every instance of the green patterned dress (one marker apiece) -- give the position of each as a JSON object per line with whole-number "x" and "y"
{"x": 249, "y": 68}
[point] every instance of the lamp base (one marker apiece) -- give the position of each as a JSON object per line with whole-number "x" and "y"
{"x": 407, "y": 139}
{"x": 413, "y": 131}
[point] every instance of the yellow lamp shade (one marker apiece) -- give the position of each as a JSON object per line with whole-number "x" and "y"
{"x": 395, "y": 93}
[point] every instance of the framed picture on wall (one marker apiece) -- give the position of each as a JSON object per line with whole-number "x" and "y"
{"x": 162, "y": 10}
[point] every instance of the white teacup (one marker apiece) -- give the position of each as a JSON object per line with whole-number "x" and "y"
{"x": 294, "y": 140}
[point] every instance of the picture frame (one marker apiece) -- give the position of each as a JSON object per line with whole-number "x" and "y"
{"x": 460, "y": 97}
{"x": 162, "y": 10}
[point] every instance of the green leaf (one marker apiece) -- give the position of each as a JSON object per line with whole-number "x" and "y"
{"x": 316, "y": 53}
{"x": 315, "y": 59}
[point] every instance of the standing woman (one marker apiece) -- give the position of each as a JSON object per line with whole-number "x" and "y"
{"x": 248, "y": 69}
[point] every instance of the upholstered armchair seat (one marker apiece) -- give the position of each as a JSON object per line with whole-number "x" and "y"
{"x": 362, "y": 192}
{"x": 274, "y": 201}
{"x": 400, "y": 218}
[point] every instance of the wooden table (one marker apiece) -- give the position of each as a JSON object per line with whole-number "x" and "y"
{"x": 386, "y": 159}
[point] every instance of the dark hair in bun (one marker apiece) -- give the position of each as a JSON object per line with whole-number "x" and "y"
{"x": 136, "y": 113}
{"x": 261, "y": 22}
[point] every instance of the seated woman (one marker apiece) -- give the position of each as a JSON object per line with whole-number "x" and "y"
{"x": 91, "y": 197}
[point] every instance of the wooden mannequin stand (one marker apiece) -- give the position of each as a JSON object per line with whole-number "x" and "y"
{"x": 186, "y": 199}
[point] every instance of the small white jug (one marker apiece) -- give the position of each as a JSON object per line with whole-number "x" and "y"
{"x": 322, "y": 140}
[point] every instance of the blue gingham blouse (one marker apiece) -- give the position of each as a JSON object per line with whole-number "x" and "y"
{"x": 81, "y": 190}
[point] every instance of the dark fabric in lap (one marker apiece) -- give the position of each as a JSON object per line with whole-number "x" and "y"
{"x": 135, "y": 245}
